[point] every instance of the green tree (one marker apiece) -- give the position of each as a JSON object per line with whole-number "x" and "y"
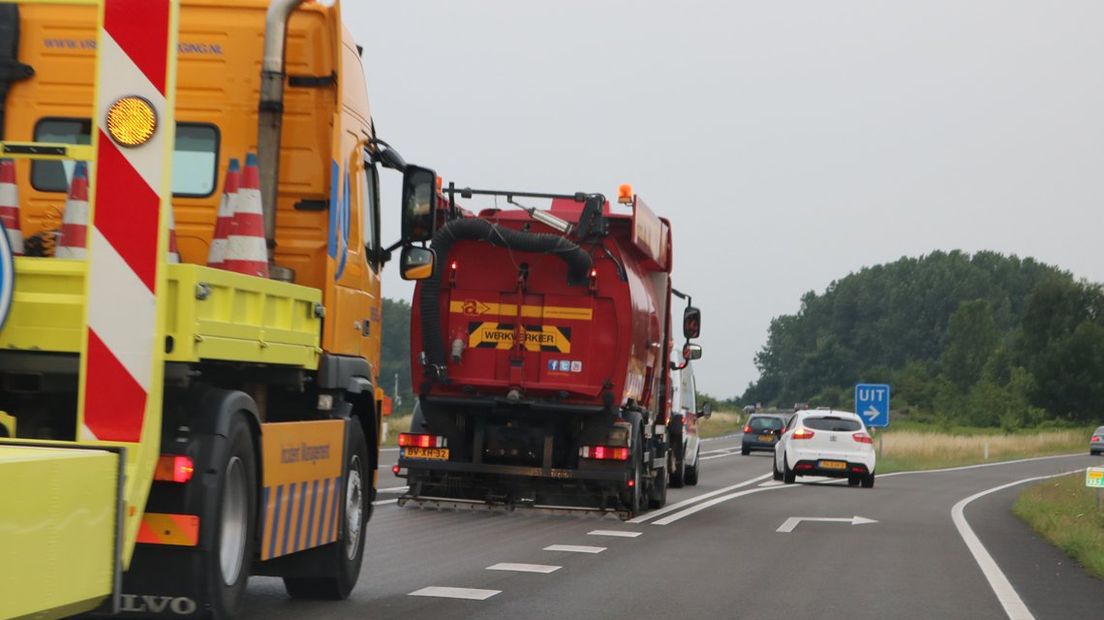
{"x": 395, "y": 352}
{"x": 972, "y": 337}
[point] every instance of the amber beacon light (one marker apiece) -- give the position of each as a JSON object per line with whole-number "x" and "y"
{"x": 131, "y": 121}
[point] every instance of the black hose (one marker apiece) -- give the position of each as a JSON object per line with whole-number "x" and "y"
{"x": 473, "y": 229}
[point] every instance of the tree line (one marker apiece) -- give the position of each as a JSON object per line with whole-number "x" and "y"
{"x": 981, "y": 340}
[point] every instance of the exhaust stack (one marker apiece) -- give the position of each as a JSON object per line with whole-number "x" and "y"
{"x": 270, "y": 114}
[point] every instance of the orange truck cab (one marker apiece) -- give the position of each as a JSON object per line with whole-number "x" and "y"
{"x": 237, "y": 416}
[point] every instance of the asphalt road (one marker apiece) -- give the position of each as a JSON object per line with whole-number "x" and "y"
{"x": 715, "y": 552}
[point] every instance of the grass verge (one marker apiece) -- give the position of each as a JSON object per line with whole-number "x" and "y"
{"x": 395, "y": 425}
{"x": 913, "y": 449}
{"x": 721, "y": 423}
{"x": 1063, "y": 511}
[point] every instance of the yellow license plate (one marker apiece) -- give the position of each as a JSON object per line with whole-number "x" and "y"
{"x": 766, "y": 437}
{"x": 833, "y": 465}
{"x": 431, "y": 454}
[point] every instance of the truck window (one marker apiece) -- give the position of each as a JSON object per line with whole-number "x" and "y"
{"x": 194, "y": 160}
{"x": 370, "y": 192}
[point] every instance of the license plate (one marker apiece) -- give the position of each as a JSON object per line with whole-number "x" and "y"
{"x": 430, "y": 454}
{"x": 766, "y": 437}
{"x": 833, "y": 465}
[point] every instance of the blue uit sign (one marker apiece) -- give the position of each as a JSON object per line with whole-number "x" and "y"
{"x": 872, "y": 403}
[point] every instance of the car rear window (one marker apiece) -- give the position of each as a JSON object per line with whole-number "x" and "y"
{"x": 764, "y": 424}
{"x": 831, "y": 423}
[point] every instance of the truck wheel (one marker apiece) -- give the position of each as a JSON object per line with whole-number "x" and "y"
{"x": 691, "y": 476}
{"x": 658, "y": 496}
{"x": 229, "y": 560}
{"x": 348, "y": 551}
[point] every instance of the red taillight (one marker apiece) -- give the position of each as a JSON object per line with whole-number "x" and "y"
{"x": 418, "y": 440}
{"x": 747, "y": 429}
{"x": 862, "y": 438}
{"x": 802, "y": 433}
{"x": 803, "y": 466}
{"x": 1096, "y": 439}
{"x": 395, "y": 469}
{"x": 174, "y": 468}
{"x": 604, "y": 453}
{"x": 631, "y": 483}
{"x": 857, "y": 469}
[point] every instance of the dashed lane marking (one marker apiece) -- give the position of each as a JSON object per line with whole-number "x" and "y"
{"x": 614, "y": 533}
{"x": 575, "y": 548}
{"x": 472, "y": 594}
{"x": 393, "y": 489}
{"x": 381, "y": 502}
{"x": 525, "y": 568}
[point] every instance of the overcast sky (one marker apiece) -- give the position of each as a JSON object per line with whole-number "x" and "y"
{"x": 790, "y": 143}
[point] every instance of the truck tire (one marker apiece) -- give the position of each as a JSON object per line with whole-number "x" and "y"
{"x": 692, "y": 471}
{"x": 657, "y": 498}
{"x": 635, "y": 496}
{"x": 677, "y": 471}
{"x": 348, "y": 551}
{"x": 236, "y": 514}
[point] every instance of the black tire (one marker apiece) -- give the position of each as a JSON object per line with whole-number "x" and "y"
{"x": 636, "y": 495}
{"x": 868, "y": 481}
{"x": 693, "y": 471}
{"x": 236, "y": 518}
{"x": 657, "y": 496}
{"x": 777, "y": 475}
{"x": 788, "y": 475}
{"x": 1091, "y": 452}
{"x": 853, "y": 481}
{"x": 677, "y": 471}
{"x": 348, "y": 552}
{"x": 745, "y": 451}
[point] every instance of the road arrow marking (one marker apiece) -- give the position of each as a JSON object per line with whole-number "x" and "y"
{"x": 872, "y": 412}
{"x": 791, "y": 523}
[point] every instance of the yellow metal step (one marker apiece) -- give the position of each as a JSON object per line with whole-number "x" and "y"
{"x": 213, "y": 314}
{"x": 58, "y": 525}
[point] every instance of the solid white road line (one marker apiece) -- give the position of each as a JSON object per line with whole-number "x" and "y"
{"x": 686, "y": 502}
{"x": 713, "y": 502}
{"x": 393, "y": 489}
{"x": 717, "y": 456}
{"x": 525, "y": 568}
{"x": 1009, "y": 599}
{"x": 388, "y": 449}
{"x": 381, "y": 502}
{"x": 615, "y": 533}
{"x": 473, "y": 594}
{"x": 981, "y": 465}
{"x": 575, "y": 548}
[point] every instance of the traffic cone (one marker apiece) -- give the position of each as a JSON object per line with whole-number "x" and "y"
{"x": 217, "y": 256}
{"x": 74, "y": 222}
{"x": 174, "y": 253}
{"x": 9, "y": 205}
{"x": 246, "y": 251}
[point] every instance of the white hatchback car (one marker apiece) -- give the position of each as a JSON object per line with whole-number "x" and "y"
{"x": 828, "y": 443}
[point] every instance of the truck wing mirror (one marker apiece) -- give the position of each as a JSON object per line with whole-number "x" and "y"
{"x": 691, "y": 323}
{"x": 417, "y": 263}
{"x": 691, "y": 351}
{"x": 419, "y": 204}
{"x": 706, "y": 410}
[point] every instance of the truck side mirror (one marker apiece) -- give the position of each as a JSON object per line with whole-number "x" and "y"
{"x": 417, "y": 263}
{"x": 419, "y": 204}
{"x": 691, "y": 351}
{"x": 706, "y": 410}
{"x": 691, "y": 323}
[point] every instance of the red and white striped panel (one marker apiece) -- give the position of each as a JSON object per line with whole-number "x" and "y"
{"x": 122, "y": 272}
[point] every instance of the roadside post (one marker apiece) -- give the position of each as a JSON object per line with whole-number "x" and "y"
{"x": 872, "y": 405}
{"x": 1094, "y": 479}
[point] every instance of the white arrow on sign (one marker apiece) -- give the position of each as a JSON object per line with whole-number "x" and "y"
{"x": 872, "y": 412}
{"x": 791, "y": 523}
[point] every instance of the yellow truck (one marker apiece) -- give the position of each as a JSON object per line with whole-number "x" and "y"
{"x": 169, "y": 429}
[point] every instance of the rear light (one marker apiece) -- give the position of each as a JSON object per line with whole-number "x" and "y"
{"x": 174, "y": 468}
{"x": 604, "y": 453}
{"x": 418, "y": 440}
{"x": 803, "y": 466}
{"x": 863, "y": 438}
{"x": 631, "y": 483}
{"x": 802, "y": 433}
{"x": 1096, "y": 438}
{"x": 747, "y": 429}
{"x": 857, "y": 469}
{"x": 395, "y": 469}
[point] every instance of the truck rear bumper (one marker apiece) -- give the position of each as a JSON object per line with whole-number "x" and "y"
{"x": 596, "y": 475}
